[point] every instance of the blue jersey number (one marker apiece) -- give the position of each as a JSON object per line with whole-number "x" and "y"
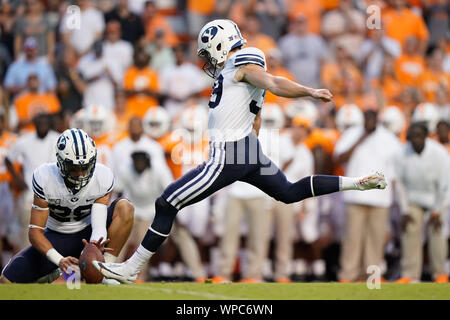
{"x": 217, "y": 93}
{"x": 62, "y": 214}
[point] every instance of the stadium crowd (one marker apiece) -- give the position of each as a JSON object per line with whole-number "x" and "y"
{"x": 126, "y": 71}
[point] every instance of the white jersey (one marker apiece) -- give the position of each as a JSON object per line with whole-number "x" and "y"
{"x": 70, "y": 213}
{"x": 234, "y": 105}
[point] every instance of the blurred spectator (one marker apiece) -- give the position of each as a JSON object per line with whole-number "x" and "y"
{"x": 251, "y": 31}
{"x": 96, "y": 73}
{"x": 271, "y": 15}
{"x": 309, "y": 8}
{"x": 141, "y": 85}
{"x": 138, "y": 140}
{"x": 410, "y": 65}
{"x": 130, "y": 23}
{"x": 342, "y": 77}
{"x": 92, "y": 25}
{"x": 344, "y": 27}
{"x": 199, "y": 12}
{"x": 443, "y": 104}
{"x": 141, "y": 182}
{"x": 23, "y": 151}
{"x": 437, "y": 16}
{"x": 374, "y": 51}
{"x": 18, "y": 72}
{"x": 8, "y": 13}
{"x": 388, "y": 84}
{"x": 99, "y": 123}
{"x": 363, "y": 149}
{"x": 275, "y": 67}
{"x": 5, "y": 60}
{"x": 7, "y": 139}
{"x": 32, "y": 102}
{"x": 118, "y": 53}
{"x": 122, "y": 115}
{"x": 443, "y": 134}
{"x": 161, "y": 54}
{"x": 422, "y": 168}
{"x": 181, "y": 81}
{"x": 154, "y": 21}
{"x": 34, "y": 24}
{"x": 444, "y": 45}
{"x": 303, "y": 52}
{"x": 401, "y": 23}
{"x": 71, "y": 86}
{"x": 434, "y": 77}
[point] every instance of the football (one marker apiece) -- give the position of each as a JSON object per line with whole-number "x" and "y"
{"x": 88, "y": 272}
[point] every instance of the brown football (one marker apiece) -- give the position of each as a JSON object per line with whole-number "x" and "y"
{"x": 88, "y": 272}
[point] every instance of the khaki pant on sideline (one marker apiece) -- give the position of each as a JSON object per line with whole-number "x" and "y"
{"x": 257, "y": 237}
{"x": 412, "y": 253}
{"x": 283, "y": 217}
{"x": 364, "y": 240}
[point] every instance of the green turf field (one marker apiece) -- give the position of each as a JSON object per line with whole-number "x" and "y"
{"x": 233, "y": 291}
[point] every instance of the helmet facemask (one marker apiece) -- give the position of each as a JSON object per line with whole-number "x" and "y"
{"x": 69, "y": 169}
{"x": 210, "y": 67}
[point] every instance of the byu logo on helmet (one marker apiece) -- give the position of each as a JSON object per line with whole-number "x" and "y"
{"x": 209, "y": 34}
{"x": 62, "y": 143}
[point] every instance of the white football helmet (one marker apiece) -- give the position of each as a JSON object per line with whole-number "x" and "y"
{"x": 156, "y": 122}
{"x": 76, "y": 156}
{"x": 98, "y": 120}
{"x": 304, "y": 108}
{"x": 349, "y": 115}
{"x": 78, "y": 119}
{"x": 393, "y": 119}
{"x": 427, "y": 112}
{"x": 216, "y": 39}
{"x": 195, "y": 120}
{"x": 272, "y": 116}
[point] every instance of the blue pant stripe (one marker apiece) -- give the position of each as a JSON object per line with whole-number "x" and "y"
{"x": 177, "y": 192}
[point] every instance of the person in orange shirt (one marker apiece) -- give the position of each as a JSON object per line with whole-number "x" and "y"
{"x": 410, "y": 65}
{"x": 31, "y": 102}
{"x": 141, "y": 85}
{"x": 342, "y": 77}
{"x": 154, "y": 21}
{"x": 311, "y": 8}
{"x": 251, "y": 30}
{"x": 434, "y": 75}
{"x": 276, "y": 67}
{"x": 401, "y": 22}
{"x": 388, "y": 84}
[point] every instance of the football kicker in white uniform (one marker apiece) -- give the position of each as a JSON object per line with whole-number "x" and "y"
{"x": 235, "y": 152}
{"x": 70, "y": 205}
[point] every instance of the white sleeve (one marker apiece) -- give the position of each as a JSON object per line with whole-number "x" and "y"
{"x": 14, "y": 154}
{"x": 38, "y": 183}
{"x": 99, "y": 213}
{"x": 250, "y": 55}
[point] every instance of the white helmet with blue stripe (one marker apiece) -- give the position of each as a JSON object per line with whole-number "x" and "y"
{"x": 216, "y": 39}
{"x": 76, "y": 156}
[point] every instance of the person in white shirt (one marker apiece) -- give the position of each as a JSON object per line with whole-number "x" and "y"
{"x": 31, "y": 150}
{"x": 96, "y": 72}
{"x": 81, "y": 34}
{"x": 137, "y": 140}
{"x": 118, "y": 53}
{"x": 422, "y": 169}
{"x": 360, "y": 149}
{"x": 181, "y": 81}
